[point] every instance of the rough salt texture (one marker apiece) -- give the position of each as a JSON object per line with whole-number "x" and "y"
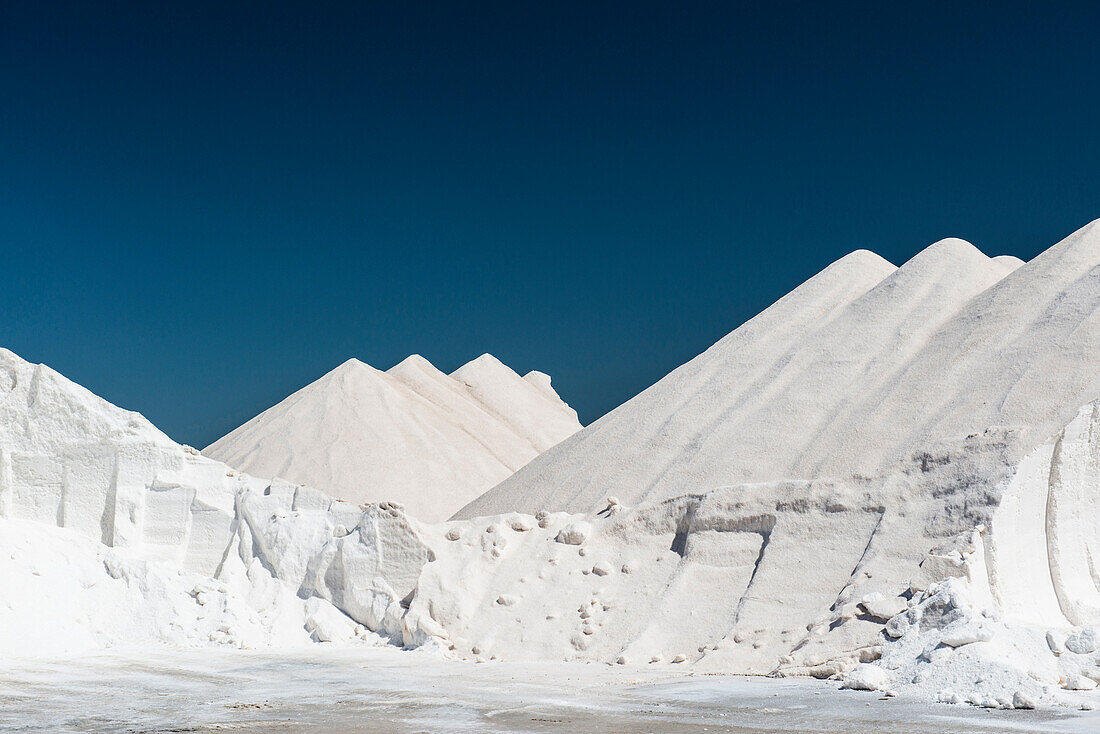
{"x": 113, "y": 535}
{"x": 412, "y": 435}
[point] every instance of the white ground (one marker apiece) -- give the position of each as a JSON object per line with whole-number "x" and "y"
{"x": 327, "y": 689}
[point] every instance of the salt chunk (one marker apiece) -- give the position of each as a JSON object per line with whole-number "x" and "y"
{"x": 574, "y": 533}
{"x": 897, "y": 626}
{"x": 884, "y": 610}
{"x": 866, "y": 677}
{"x": 1021, "y": 700}
{"x": 522, "y": 524}
{"x": 1084, "y": 641}
{"x": 1079, "y": 683}
{"x": 966, "y": 632}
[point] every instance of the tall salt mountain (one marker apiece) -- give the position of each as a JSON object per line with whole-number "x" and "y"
{"x": 412, "y": 434}
{"x": 852, "y": 374}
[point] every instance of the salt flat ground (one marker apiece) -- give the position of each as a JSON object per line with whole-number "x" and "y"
{"x": 385, "y": 689}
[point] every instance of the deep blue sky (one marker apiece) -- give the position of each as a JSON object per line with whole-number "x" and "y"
{"x": 205, "y": 207}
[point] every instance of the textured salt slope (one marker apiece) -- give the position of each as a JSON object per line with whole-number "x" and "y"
{"x": 113, "y": 535}
{"x": 848, "y": 375}
{"x": 411, "y": 435}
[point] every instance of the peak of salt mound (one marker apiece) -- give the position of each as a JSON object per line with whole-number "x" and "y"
{"x": 847, "y": 375}
{"x": 1011, "y": 262}
{"x": 624, "y": 447}
{"x": 859, "y": 260}
{"x": 411, "y": 435}
{"x": 483, "y": 368}
{"x": 411, "y": 364}
{"x": 61, "y": 409}
{"x": 519, "y": 403}
{"x": 542, "y": 381}
{"x": 950, "y": 249}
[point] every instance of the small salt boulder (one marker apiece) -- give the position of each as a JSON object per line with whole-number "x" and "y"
{"x": 1021, "y": 700}
{"x": 601, "y": 568}
{"x": 1079, "y": 683}
{"x": 522, "y": 524}
{"x": 897, "y": 626}
{"x": 680, "y": 659}
{"x": 870, "y": 654}
{"x": 848, "y": 611}
{"x": 1056, "y": 641}
{"x": 866, "y": 677}
{"x": 506, "y": 600}
{"x": 574, "y": 533}
{"x": 1084, "y": 641}
{"x": 883, "y": 610}
{"x": 453, "y": 534}
{"x": 965, "y": 632}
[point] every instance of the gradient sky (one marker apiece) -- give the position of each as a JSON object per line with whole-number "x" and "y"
{"x": 204, "y": 207}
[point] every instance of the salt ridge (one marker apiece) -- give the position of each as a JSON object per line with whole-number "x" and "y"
{"x": 412, "y": 434}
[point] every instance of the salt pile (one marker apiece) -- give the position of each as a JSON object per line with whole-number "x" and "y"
{"x": 412, "y": 435}
{"x": 848, "y": 375}
{"x": 894, "y": 465}
{"x": 889, "y": 478}
{"x": 113, "y": 535}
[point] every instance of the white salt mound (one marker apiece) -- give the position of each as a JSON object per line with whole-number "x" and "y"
{"x": 113, "y": 535}
{"x": 412, "y": 435}
{"x": 874, "y": 434}
{"x": 890, "y": 479}
{"x": 847, "y": 375}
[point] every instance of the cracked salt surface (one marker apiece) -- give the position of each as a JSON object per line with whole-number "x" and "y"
{"x": 384, "y": 689}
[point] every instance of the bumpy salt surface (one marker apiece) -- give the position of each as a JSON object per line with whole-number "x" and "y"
{"x": 412, "y": 435}
{"x": 890, "y": 478}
